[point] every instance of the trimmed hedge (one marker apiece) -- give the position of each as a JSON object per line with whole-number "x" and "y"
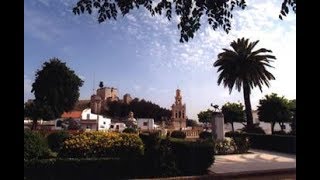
{"x": 56, "y": 139}
{"x": 178, "y": 134}
{"x": 130, "y": 131}
{"x": 281, "y": 143}
{"x": 174, "y": 157}
{"x": 35, "y": 145}
{"x": 81, "y": 169}
{"x": 102, "y": 144}
{"x": 192, "y": 157}
{"x": 254, "y": 129}
{"x": 205, "y": 135}
{"x": 166, "y": 157}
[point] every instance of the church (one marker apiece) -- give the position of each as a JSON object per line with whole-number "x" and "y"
{"x": 178, "y": 117}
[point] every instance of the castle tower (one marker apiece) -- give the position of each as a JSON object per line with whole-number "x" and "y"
{"x": 95, "y": 104}
{"x": 178, "y": 116}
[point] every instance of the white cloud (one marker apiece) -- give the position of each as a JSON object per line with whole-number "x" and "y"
{"x": 44, "y": 2}
{"x": 37, "y": 25}
{"x": 136, "y": 87}
{"x": 131, "y": 17}
{"x": 151, "y": 89}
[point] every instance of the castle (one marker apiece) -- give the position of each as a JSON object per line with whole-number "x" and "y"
{"x": 104, "y": 95}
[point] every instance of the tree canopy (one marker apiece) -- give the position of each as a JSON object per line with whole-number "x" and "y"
{"x": 218, "y": 13}
{"x": 205, "y": 116}
{"x": 233, "y": 112}
{"x": 274, "y": 109}
{"x": 56, "y": 87}
{"x": 36, "y": 111}
{"x": 140, "y": 108}
{"x": 243, "y": 68}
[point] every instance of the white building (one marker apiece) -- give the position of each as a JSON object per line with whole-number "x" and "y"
{"x": 117, "y": 127}
{"x": 146, "y": 124}
{"x": 90, "y": 121}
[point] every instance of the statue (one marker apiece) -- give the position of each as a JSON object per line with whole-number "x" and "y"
{"x": 132, "y": 122}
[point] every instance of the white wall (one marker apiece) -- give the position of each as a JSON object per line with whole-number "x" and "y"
{"x": 148, "y": 127}
{"x": 103, "y": 122}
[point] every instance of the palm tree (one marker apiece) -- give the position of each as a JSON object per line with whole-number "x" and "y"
{"x": 243, "y": 68}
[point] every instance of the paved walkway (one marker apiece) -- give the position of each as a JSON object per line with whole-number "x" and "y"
{"x": 257, "y": 162}
{"x": 257, "y": 165}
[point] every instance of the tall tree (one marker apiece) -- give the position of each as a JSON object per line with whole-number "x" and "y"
{"x": 244, "y": 68}
{"x": 218, "y": 12}
{"x": 57, "y": 87}
{"x": 205, "y": 116}
{"x": 274, "y": 109}
{"x": 233, "y": 112}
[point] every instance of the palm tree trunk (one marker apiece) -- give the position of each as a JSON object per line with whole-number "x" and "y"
{"x": 247, "y": 103}
{"x": 232, "y": 127}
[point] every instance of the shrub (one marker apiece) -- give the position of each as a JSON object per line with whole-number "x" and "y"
{"x": 56, "y": 139}
{"x": 130, "y": 131}
{"x": 205, "y": 135}
{"x": 178, "y": 134}
{"x": 226, "y": 146}
{"x": 280, "y": 143}
{"x": 242, "y": 144}
{"x": 102, "y": 144}
{"x": 254, "y": 129}
{"x": 35, "y": 145}
{"x": 232, "y": 133}
{"x": 172, "y": 157}
{"x": 81, "y": 169}
{"x": 280, "y": 133}
{"x": 192, "y": 157}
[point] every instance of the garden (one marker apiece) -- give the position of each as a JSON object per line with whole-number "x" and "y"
{"x": 104, "y": 155}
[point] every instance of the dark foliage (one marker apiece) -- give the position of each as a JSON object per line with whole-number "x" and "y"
{"x": 253, "y": 129}
{"x": 35, "y": 145}
{"x": 141, "y": 109}
{"x": 218, "y": 13}
{"x": 178, "y": 134}
{"x": 130, "y": 130}
{"x": 280, "y": 143}
{"x": 56, "y": 139}
{"x": 192, "y": 157}
{"x": 205, "y": 135}
{"x": 81, "y": 169}
{"x": 56, "y": 87}
{"x": 205, "y": 116}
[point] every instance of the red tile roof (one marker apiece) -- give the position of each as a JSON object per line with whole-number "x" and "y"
{"x": 72, "y": 114}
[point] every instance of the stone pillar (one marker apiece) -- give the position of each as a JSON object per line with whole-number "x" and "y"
{"x": 218, "y": 125}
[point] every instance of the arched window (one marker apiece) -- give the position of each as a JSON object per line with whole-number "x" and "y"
{"x": 179, "y": 114}
{"x": 176, "y": 115}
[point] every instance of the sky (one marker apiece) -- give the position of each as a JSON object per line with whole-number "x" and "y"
{"x": 141, "y": 55}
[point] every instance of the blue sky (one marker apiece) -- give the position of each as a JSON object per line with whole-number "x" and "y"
{"x": 141, "y": 55}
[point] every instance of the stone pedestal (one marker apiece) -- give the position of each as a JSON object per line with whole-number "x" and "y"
{"x": 218, "y": 126}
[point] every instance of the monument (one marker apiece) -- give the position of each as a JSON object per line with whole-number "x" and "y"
{"x": 218, "y": 125}
{"x": 131, "y": 121}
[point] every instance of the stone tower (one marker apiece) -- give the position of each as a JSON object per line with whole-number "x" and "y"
{"x": 178, "y": 116}
{"x": 95, "y": 104}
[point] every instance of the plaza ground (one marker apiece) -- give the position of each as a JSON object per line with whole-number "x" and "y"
{"x": 256, "y": 165}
